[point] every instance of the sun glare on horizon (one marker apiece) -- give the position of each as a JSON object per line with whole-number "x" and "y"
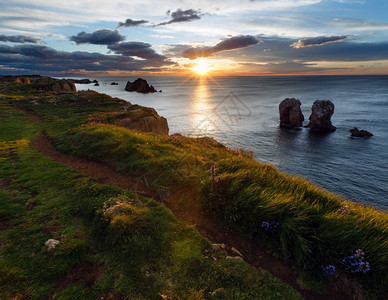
{"x": 201, "y": 68}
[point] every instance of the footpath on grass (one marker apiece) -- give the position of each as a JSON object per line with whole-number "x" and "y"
{"x": 236, "y": 245}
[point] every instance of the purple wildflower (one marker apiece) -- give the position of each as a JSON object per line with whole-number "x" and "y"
{"x": 269, "y": 226}
{"x": 328, "y": 270}
{"x": 213, "y": 171}
{"x": 343, "y": 209}
{"x": 355, "y": 263}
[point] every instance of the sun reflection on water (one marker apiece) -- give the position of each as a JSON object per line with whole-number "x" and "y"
{"x": 202, "y": 122}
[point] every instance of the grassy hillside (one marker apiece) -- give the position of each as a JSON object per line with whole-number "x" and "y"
{"x": 113, "y": 244}
{"x": 112, "y": 230}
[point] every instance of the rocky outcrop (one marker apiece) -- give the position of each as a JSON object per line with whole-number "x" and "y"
{"x": 64, "y": 86}
{"x": 96, "y": 84}
{"x": 290, "y": 113}
{"x": 114, "y": 83}
{"x": 320, "y": 118}
{"x": 360, "y": 133}
{"x": 55, "y": 85}
{"x": 142, "y": 119}
{"x": 24, "y": 80}
{"x": 139, "y": 85}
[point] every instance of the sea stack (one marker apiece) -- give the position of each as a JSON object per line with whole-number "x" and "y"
{"x": 139, "y": 85}
{"x": 320, "y": 118}
{"x": 290, "y": 113}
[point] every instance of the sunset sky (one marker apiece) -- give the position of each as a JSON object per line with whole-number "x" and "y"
{"x": 173, "y": 37}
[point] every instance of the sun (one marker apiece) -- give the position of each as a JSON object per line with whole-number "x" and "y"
{"x": 201, "y": 68}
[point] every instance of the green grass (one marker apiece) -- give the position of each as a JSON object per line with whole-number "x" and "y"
{"x": 310, "y": 226}
{"x": 113, "y": 243}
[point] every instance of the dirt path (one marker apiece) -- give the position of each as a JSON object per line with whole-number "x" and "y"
{"x": 254, "y": 254}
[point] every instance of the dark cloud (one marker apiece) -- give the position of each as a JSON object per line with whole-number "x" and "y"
{"x": 277, "y": 49}
{"x": 183, "y": 16}
{"x": 318, "y": 41}
{"x": 99, "y": 37}
{"x": 138, "y": 49}
{"x": 131, "y": 23}
{"x": 232, "y": 43}
{"x": 45, "y": 60}
{"x": 19, "y": 39}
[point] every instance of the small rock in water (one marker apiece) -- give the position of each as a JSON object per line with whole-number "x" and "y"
{"x": 360, "y": 133}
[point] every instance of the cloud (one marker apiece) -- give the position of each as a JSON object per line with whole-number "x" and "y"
{"x": 19, "y": 39}
{"x": 46, "y": 60}
{"x": 138, "y": 49}
{"x": 179, "y": 15}
{"x": 99, "y": 37}
{"x": 131, "y": 23}
{"x": 232, "y": 43}
{"x": 277, "y": 49}
{"x": 318, "y": 41}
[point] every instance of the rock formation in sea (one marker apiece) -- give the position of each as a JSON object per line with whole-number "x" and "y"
{"x": 360, "y": 133}
{"x": 114, "y": 83}
{"x": 320, "y": 118}
{"x": 290, "y": 113}
{"x": 139, "y": 85}
{"x": 81, "y": 81}
{"x": 141, "y": 118}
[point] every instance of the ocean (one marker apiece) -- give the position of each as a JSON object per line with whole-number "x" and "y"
{"x": 243, "y": 112}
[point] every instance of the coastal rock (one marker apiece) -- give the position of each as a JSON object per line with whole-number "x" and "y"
{"x": 96, "y": 84}
{"x": 81, "y": 81}
{"x": 24, "y": 80}
{"x": 290, "y": 113}
{"x": 55, "y": 85}
{"x": 64, "y": 86}
{"x": 114, "y": 83}
{"x": 139, "y": 85}
{"x": 360, "y": 133}
{"x": 142, "y": 119}
{"x": 320, "y": 118}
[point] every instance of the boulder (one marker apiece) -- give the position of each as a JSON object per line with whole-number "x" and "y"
{"x": 114, "y": 83}
{"x": 320, "y": 118}
{"x": 290, "y": 113}
{"x": 139, "y": 85}
{"x": 51, "y": 244}
{"x": 360, "y": 133}
{"x": 97, "y": 84}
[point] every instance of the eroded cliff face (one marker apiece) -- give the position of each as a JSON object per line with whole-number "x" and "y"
{"x": 142, "y": 119}
{"x": 134, "y": 117}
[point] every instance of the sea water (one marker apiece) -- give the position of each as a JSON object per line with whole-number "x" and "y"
{"x": 243, "y": 112}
